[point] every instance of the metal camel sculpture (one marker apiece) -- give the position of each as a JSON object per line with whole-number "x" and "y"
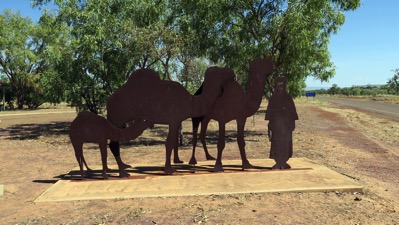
{"x": 144, "y": 95}
{"x": 235, "y": 104}
{"x": 196, "y": 122}
{"x": 88, "y": 127}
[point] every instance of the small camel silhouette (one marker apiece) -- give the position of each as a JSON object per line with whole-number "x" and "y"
{"x": 234, "y": 104}
{"x": 88, "y": 127}
{"x": 144, "y": 95}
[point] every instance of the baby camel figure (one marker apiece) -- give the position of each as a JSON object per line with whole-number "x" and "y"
{"x": 88, "y": 127}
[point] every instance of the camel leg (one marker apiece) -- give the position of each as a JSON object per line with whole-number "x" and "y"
{"x": 170, "y": 143}
{"x": 78, "y": 147}
{"x": 176, "y": 158}
{"x": 204, "y": 127}
{"x": 195, "y": 123}
{"x": 103, "y": 150}
{"x": 241, "y": 143}
{"x": 181, "y": 137}
{"x": 221, "y": 144}
{"x": 114, "y": 146}
{"x": 84, "y": 161}
{"x": 115, "y": 149}
{"x": 89, "y": 171}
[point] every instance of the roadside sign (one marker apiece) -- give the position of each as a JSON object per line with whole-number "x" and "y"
{"x": 310, "y": 94}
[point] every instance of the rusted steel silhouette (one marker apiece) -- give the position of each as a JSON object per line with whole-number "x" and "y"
{"x": 281, "y": 113}
{"x": 88, "y": 127}
{"x": 144, "y": 95}
{"x": 235, "y": 104}
{"x": 196, "y": 122}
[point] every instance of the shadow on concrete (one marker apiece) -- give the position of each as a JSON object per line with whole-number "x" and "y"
{"x": 45, "y": 181}
{"x": 142, "y": 172}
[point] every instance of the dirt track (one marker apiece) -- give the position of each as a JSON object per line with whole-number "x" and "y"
{"x": 35, "y": 152}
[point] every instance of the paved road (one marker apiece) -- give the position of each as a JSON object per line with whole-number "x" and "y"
{"x": 378, "y": 107}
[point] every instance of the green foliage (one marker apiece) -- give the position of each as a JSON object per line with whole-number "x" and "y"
{"x": 98, "y": 56}
{"x": 295, "y": 33}
{"x": 369, "y": 90}
{"x": 334, "y": 89}
{"x": 110, "y": 39}
{"x": 103, "y": 41}
{"x": 393, "y": 83}
{"x": 192, "y": 74}
{"x": 16, "y": 56}
{"x": 5, "y": 92}
{"x": 24, "y": 51}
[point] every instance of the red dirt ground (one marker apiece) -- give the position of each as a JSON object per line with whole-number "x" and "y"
{"x": 35, "y": 151}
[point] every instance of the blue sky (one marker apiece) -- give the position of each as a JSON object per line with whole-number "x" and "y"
{"x": 364, "y": 51}
{"x": 23, "y": 6}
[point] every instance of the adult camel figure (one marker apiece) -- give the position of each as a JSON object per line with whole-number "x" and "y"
{"x": 235, "y": 104}
{"x": 144, "y": 95}
{"x": 196, "y": 121}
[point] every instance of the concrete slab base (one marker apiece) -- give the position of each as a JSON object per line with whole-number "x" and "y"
{"x": 150, "y": 181}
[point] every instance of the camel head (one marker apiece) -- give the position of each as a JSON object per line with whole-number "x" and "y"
{"x": 261, "y": 67}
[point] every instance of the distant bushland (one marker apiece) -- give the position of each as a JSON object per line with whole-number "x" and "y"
{"x": 366, "y": 90}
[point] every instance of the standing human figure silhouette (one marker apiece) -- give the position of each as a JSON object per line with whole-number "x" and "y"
{"x": 281, "y": 113}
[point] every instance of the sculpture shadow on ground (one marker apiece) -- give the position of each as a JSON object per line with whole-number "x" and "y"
{"x": 29, "y": 131}
{"x": 142, "y": 172}
{"x": 136, "y": 172}
{"x": 45, "y": 181}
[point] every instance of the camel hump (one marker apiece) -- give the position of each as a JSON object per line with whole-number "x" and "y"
{"x": 216, "y": 74}
{"x": 264, "y": 65}
{"x": 143, "y": 75}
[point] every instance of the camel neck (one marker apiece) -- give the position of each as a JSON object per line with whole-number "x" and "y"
{"x": 255, "y": 88}
{"x": 125, "y": 134}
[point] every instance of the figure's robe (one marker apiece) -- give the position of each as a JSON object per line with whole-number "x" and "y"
{"x": 281, "y": 113}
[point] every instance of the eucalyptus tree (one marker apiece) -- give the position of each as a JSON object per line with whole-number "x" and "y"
{"x": 393, "y": 83}
{"x": 295, "y": 33}
{"x": 98, "y": 55}
{"x": 191, "y": 73}
{"x": 24, "y": 51}
{"x": 110, "y": 39}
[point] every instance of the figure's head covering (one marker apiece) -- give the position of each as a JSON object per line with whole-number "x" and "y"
{"x": 281, "y": 81}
